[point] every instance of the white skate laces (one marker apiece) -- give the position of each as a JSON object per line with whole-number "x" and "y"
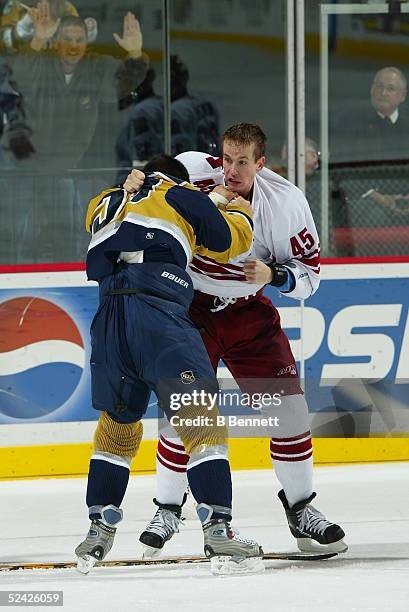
{"x": 311, "y": 520}
{"x": 165, "y": 523}
{"x": 160, "y": 529}
{"x": 236, "y": 534}
{"x": 310, "y": 527}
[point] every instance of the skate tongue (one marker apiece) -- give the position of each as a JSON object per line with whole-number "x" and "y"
{"x": 172, "y": 507}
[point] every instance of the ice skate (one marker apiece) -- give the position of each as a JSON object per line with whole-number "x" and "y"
{"x": 228, "y": 552}
{"x": 160, "y": 529}
{"x": 99, "y": 540}
{"x": 311, "y": 529}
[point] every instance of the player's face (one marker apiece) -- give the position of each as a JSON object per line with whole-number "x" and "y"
{"x": 240, "y": 166}
{"x": 71, "y": 46}
{"x": 387, "y": 92}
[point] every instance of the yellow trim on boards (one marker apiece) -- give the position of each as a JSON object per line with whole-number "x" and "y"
{"x": 346, "y": 47}
{"x": 245, "y": 454}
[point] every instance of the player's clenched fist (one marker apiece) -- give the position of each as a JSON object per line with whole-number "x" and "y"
{"x": 256, "y": 271}
{"x": 226, "y": 193}
{"x": 240, "y": 201}
{"x": 134, "y": 181}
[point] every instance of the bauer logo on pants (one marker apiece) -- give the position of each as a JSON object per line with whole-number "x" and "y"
{"x": 42, "y": 357}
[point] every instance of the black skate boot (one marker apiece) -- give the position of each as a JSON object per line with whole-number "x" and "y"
{"x": 308, "y": 525}
{"x": 99, "y": 540}
{"x": 161, "y": 528}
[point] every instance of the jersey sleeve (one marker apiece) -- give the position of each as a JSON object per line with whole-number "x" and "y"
{"x": 221, "y": 235}
{"x": 300, "y": 251}
{"x": 240, "y": 226}
{"x": 102, "y": 207}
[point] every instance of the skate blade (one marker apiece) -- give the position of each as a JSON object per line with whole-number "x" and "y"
{"x": 225, "y": 565}
{"x": 85, "y": 564}
{"x": 149, "y": 552}
{"x": 308, "y": 545}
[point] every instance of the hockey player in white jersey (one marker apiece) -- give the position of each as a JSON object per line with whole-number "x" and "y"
{"x": 242, "y": 327}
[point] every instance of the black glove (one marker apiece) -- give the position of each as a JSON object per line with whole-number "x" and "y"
{"x": 279, "y": 273}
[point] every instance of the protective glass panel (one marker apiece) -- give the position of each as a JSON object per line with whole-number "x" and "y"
{"x": 72, "y": 75}
{"x": 357, "y": 67}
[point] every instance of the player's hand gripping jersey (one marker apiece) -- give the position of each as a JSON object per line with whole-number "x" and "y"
{"x": 165, "y": 222}
{"x": 284, "y": 232}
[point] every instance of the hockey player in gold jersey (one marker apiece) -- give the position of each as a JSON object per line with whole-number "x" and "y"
{"x": 143, "y": 340}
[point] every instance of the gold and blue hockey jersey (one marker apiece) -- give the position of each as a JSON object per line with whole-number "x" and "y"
{"x": 166, "y": 221}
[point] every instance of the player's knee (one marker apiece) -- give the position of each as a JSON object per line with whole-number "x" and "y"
{"x": 207, "y": 452}
{"x": 121, "y": 439}
{"x": 200, "y": 428}
{"x": 291, "y": 416}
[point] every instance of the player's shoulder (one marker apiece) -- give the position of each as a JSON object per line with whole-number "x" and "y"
{"x": 279, "y": 191}
{"x": 188, "y": 193}
{"x": 188, "y": 198}
{"x": 280, "y": 204}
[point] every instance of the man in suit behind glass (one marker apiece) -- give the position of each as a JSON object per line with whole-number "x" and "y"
{"x": 378, "y": 131}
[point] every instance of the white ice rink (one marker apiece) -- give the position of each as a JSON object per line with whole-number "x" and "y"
{"x": 43, "y": 520}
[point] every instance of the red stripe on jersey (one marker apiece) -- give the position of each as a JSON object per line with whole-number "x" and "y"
{"x": 208, "y": 269}
{"x": 218, "y": 276}
{"x": 312, "y": 253}
{"x": 313, "y": 261}
{"x": 199, "y": 261}
{"x": 316, "y": 270}
{"x": 215, "y": 162}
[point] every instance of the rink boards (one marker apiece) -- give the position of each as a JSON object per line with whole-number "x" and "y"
{"x": 355, "y": 328}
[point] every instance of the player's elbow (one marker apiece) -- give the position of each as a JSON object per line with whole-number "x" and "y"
{"x": 315, "y": 285}
{"x": 222, "y": 241}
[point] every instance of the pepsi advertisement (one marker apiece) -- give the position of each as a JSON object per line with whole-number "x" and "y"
{"x": 355, "y": 328}
{"x": 44, "y": 354}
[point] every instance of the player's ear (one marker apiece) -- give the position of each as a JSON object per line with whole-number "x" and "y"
{"x": 260, "y": 163}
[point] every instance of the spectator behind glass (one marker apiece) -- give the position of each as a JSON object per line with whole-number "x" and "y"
{"x": 312, "y": 158}
{"x": 312, "y": 164}
{"x": 13, "y": 118}
{"x": 195, "y": 120}
{"x": 16, "y": 24}
{"x": 63, "y": 87}
{"x": 379, "y": 130}
{"x": 142, "y": 136}
{"x": 16, "y": 140}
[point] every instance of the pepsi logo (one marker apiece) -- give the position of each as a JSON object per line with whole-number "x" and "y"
{"x": 42, "y": 357}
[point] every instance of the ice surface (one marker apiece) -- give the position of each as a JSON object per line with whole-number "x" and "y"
{"x": 43, "y": 520}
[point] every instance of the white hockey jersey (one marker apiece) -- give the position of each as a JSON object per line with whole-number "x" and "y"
{"x": 284, "y": 232}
